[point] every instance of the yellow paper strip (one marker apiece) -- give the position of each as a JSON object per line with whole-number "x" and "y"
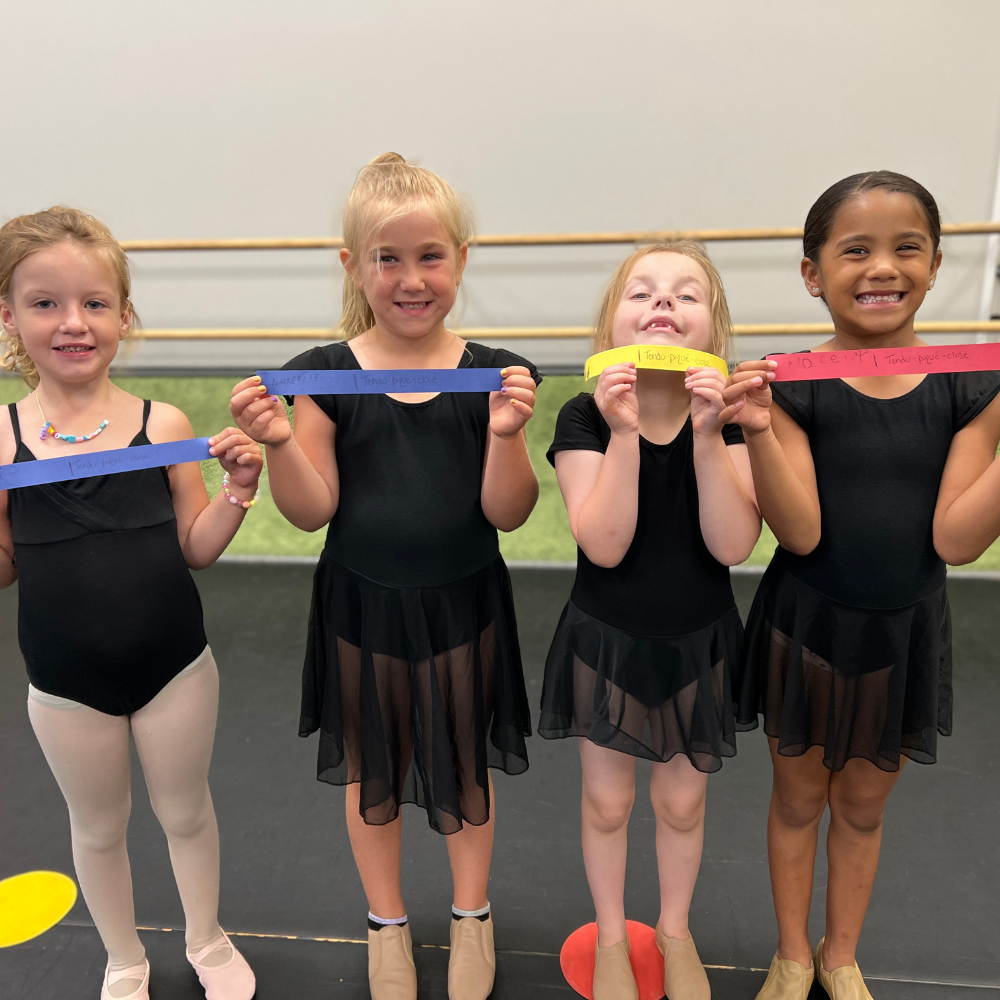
{"x": 675, "y": 359}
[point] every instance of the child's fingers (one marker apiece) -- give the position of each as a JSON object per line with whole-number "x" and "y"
{"x": 618, "y": 378}
{"x": 269, "y": 404}
{"x": 618, "y": 390}
{"x": 745, "y": 384}
{"x": 524, "y": 395}
{"x": 242, "y": 399}
{"x": 763, "y": 365}
{"x": 730, "y": 414}
{"x": 709, "y": 393}
{"x": 524, "y": 381}
{"x": 254, "y": 380}
{"x": 699, "y": 380}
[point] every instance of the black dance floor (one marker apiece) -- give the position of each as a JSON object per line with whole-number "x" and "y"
{"x": 291, "y": 891}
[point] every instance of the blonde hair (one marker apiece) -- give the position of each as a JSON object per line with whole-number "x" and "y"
{"x": 385, "y": 190}
{"x": 722, "y": 325}
{"x": 27, "y": 234}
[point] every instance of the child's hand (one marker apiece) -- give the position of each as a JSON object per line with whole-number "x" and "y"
{"x": 706, "y": 386}
{"x": 748, "y": 396}
{"x": 260, "y": 416}
{"x": 616, "y": 399}
{"x": 238, "y": 455}
{"x": 512, "y": 406}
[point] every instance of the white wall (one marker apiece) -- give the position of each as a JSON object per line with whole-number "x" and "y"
{"x": 202, "y": 119}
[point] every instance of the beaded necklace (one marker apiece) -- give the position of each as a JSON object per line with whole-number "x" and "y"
{"x": 48, "y": 430}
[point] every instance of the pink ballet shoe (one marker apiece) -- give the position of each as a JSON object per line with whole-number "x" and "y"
{"x": 233, "y": 980}
{"x": 140, "y": 972}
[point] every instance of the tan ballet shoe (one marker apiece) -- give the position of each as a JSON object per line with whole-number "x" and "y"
{"x": 845, "y": 983}
{"x": 391, "y": 972}
{"x": 472, "y": 964}
{"x": 786, "y": 980}
{"x": 684, "y": 977}
{"x": 139, "y": 972}
{"x": 613, "y": 979}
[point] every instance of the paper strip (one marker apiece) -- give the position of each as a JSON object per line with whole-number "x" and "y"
{"x": 347, "y": 382}
{"x": 675, "y": 359}
{"x": 886, "y": 361}
{"x": 102, "y": 463}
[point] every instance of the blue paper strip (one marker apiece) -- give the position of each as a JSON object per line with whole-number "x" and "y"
{"x": 345, "y": 382}
{"x": 102, "y": 463}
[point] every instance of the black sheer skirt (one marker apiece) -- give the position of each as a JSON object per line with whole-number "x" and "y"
{"x": 859, "y": 682}
{"x": 647, "y": 696}
{"x": 415, "y": 692}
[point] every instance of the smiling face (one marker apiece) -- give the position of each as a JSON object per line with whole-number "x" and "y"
{"x": 65, "y": 305}
{"x": 666, "y": 300}
{"x": 411, "y": 277}
{"x": 876, "y": 265}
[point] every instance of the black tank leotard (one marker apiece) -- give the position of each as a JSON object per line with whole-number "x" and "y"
{"x": 108, "y": 612}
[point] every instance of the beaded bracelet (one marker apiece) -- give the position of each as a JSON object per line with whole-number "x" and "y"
{"x": 245, "y": 504}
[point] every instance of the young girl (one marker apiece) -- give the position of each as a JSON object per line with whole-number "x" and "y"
{"x": 870, "y": 485}
{"x": 110, "y": 622}
{"x": 661, "y": 502}
{"x": 413, "y": 674}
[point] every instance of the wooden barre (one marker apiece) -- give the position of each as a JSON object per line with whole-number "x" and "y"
{"x": 539, "y": 332}
{"x": 534, "y": 239}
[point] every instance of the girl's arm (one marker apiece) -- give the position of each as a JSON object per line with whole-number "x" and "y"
{"x": 8, "y": 567}
{"x": 302, "y": 467}
{"x": 967, "y": 516}
{"x": 205, "y": 528}
{"x": 784, "y": 477}
{"x": 509, "y": 489}
{"x": 601, "y": 491}
{"x": 727, "y": 509}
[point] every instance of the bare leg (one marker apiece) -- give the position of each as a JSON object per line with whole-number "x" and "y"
{"x": 173, "y": 735}
{"x": 677, "y": 790}
{"x": 470, "y": 852}
{"x": 377, "y": 853}
{"x": 798, "y": 800}
{"x": 88, "y": 752}
{"x": 608, "y": 796}
{"x": 857, "y": 803}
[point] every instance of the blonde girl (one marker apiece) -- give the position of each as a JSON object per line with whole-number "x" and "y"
{"x": 413, "y": 674}
{"x": 661, "y": 503}
{"x": 110, "y": 622}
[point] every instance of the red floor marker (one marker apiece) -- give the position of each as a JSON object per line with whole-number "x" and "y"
{"x": 577, "y": 960}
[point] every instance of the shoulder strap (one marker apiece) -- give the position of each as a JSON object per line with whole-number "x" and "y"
{"x": 15, "y": 423}
{"x": 147, "y": 405}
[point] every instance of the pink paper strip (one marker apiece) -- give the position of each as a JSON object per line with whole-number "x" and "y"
{"x": 886, "y": 361}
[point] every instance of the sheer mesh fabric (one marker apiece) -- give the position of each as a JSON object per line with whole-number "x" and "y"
{"x": 647, "y": 696}
{"x": 408, "y": 703}
{"x": 858, "y": 682}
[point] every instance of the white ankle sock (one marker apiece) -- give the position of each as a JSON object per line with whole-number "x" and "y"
{"x": 479, "y": 914}
{"x": 376, "y": 923}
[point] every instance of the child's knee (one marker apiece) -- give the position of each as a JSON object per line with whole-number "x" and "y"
{"x": 100, "y": 834}
{"x": 606, "y": 807}
{"x": 681, "y": 809}
{"x": 187, "y": 817}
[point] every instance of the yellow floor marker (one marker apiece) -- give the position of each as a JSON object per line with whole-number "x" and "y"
{"x": 32, "y": 903}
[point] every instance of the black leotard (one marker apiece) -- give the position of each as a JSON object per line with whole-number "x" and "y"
{"x": 641, "y": 658}
{"x": 667, "y": 583}
{"x": 410, "y": 513}
{"x": 108, "y": 612}
{"x": 849, "y": 647}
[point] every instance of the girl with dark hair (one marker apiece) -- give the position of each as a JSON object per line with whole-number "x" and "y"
{"x": 870, "y": 485}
